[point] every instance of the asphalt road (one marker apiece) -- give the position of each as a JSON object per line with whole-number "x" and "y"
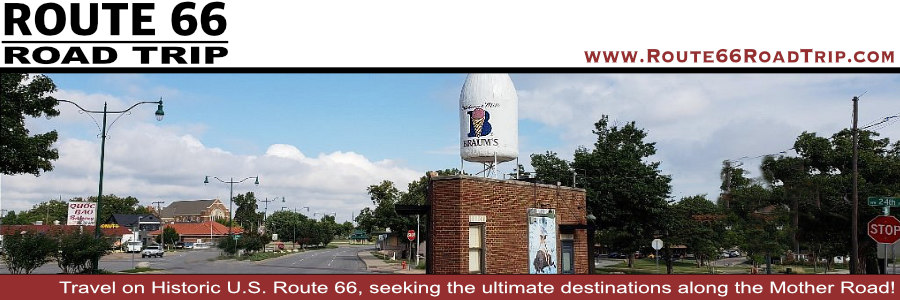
{"x": 342, "y": 260}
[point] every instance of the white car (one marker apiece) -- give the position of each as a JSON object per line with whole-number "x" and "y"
{"x": 201, "y": 246}
{"x": 152, "y": 251}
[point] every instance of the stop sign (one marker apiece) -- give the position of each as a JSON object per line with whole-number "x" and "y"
{"x": 884, "y": 229}
{"x": 411, "y": 235}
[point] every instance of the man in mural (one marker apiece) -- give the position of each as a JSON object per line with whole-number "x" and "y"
{"x": 544, "y": 257}
{"x": 543, "y": 247}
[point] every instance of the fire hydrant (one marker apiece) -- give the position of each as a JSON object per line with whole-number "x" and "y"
{"x": 403, "y": 264}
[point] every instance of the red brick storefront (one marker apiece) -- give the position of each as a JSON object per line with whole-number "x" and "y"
{"x": 498, "y": 210}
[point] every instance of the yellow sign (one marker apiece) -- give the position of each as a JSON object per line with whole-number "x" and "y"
{"x": 109, "y": 225}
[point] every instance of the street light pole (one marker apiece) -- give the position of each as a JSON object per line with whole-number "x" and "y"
{"x": 231, "y": 183}
{"x": 159, "y": 116}
{"x": 854, "y": 219}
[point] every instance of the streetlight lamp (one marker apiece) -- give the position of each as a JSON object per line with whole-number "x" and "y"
{"x": 159, "y": 116}
{"x": 231, "y": 183}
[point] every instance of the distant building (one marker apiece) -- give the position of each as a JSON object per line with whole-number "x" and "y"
{"x": 197, "y": 232}
{"x": 194, "y": 211}
{"x": 147, "y": 224}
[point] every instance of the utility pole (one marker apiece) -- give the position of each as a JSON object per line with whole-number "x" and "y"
{"x": 854, "y": 219}
{"x": 266, "y": 209}
{"x": 727, "y": 197}
{"x": 159, "y": 217}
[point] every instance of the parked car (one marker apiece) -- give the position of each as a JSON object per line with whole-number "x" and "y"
{"x": 152, "y": 251}
{"x": 201, "y": 246}
{"x": 734, "y": 253}
{"x": 179, "y": 245}
{"x": 188, "y": 245}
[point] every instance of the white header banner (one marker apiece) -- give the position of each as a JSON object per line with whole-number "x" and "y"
{"x": 456, "y": 34}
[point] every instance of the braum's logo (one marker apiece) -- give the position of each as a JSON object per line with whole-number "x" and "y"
{"x": 479, "y": 124}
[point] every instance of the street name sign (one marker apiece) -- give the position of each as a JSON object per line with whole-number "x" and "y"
{"x": 884, "y": 201}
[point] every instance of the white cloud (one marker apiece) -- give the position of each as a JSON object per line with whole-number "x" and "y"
{"x": 699, "y": 120}
{"x": 155, "y": 162}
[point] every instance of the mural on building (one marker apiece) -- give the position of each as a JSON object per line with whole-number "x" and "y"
{"x": 542, "y": 241}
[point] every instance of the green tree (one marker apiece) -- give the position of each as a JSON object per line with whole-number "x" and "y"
{"x": 698, "y": 224}
{"x": 246, "y": 214}
{"x": 12, "y": 218}
{"x": 327, "y": 229}
{"x": 78, "y": 249}
{"x": 170, "y": 236}
{"x": 815, "y": 186}
{"x": 344, "y": 229}
{"x": 551, "y": 169}
{"x": 365, "y": 220}
{"x": 384, "y": 196}
{"x": 24, "y": 95}
{"x": 28, "y": 251}
{"x": 625, "y": 191}
{"x": 113, "y": 204}
{"x": 53, "y": 210}
{"x": 288, "y": 225}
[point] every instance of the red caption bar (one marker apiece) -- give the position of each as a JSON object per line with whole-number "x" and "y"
{"x": 221, "y": 287}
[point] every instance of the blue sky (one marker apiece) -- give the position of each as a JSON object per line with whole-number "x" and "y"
{"x": 320, "y": 139}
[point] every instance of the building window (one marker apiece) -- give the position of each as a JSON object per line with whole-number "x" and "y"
{"x": 476, "y": 248}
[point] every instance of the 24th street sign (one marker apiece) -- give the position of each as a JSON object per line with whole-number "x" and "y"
{"x": 884, "y": 201}
{"x": 884, "y": 229}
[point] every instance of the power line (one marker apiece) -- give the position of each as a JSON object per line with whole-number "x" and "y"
{"x": 741, "y": 159}
{"x": 891, "y": 119}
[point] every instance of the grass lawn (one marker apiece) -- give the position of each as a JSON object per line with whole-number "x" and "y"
{"x": 648, "y": 266}
{"x": 258, "y": 256}
{"x": 385, "y": 258}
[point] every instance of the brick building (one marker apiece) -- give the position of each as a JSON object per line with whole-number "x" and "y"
{"x": 489, "y": 226}
{"x": 194, "y": 211}
{"x": 208, "y": 231}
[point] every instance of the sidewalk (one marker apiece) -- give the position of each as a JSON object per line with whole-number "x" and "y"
{"x": 377, "y": 265}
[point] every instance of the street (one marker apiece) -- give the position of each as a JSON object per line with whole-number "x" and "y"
{"x": 342, "y": 260}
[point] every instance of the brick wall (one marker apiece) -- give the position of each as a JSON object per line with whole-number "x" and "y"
{"x": 505, "y": 205}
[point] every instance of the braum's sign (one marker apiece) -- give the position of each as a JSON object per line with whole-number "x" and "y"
{"x": 82, "y": 213}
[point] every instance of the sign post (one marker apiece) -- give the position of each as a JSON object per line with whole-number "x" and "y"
{"x": 657, "y": 244}
{"x": 411, "y": 236}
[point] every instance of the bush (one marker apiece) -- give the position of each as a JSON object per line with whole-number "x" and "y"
{"x": 28, "y": 251}
{"x": 252, "y": 242}
{"x": 228, "y": 245}
{"x": 78, "y": 249}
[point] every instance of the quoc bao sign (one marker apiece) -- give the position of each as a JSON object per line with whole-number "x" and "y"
{"x": 82, "y": 213}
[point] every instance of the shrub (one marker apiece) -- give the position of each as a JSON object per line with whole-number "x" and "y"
{"x": 78, "y": 249}
{"x": 28, "y": 251}
{"x": 252, "y": 242}
{"x": 228, "y": 245}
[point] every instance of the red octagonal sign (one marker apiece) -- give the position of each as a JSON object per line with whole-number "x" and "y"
{"x": 411, "y": 235}
{"x": 884, "y": 229}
